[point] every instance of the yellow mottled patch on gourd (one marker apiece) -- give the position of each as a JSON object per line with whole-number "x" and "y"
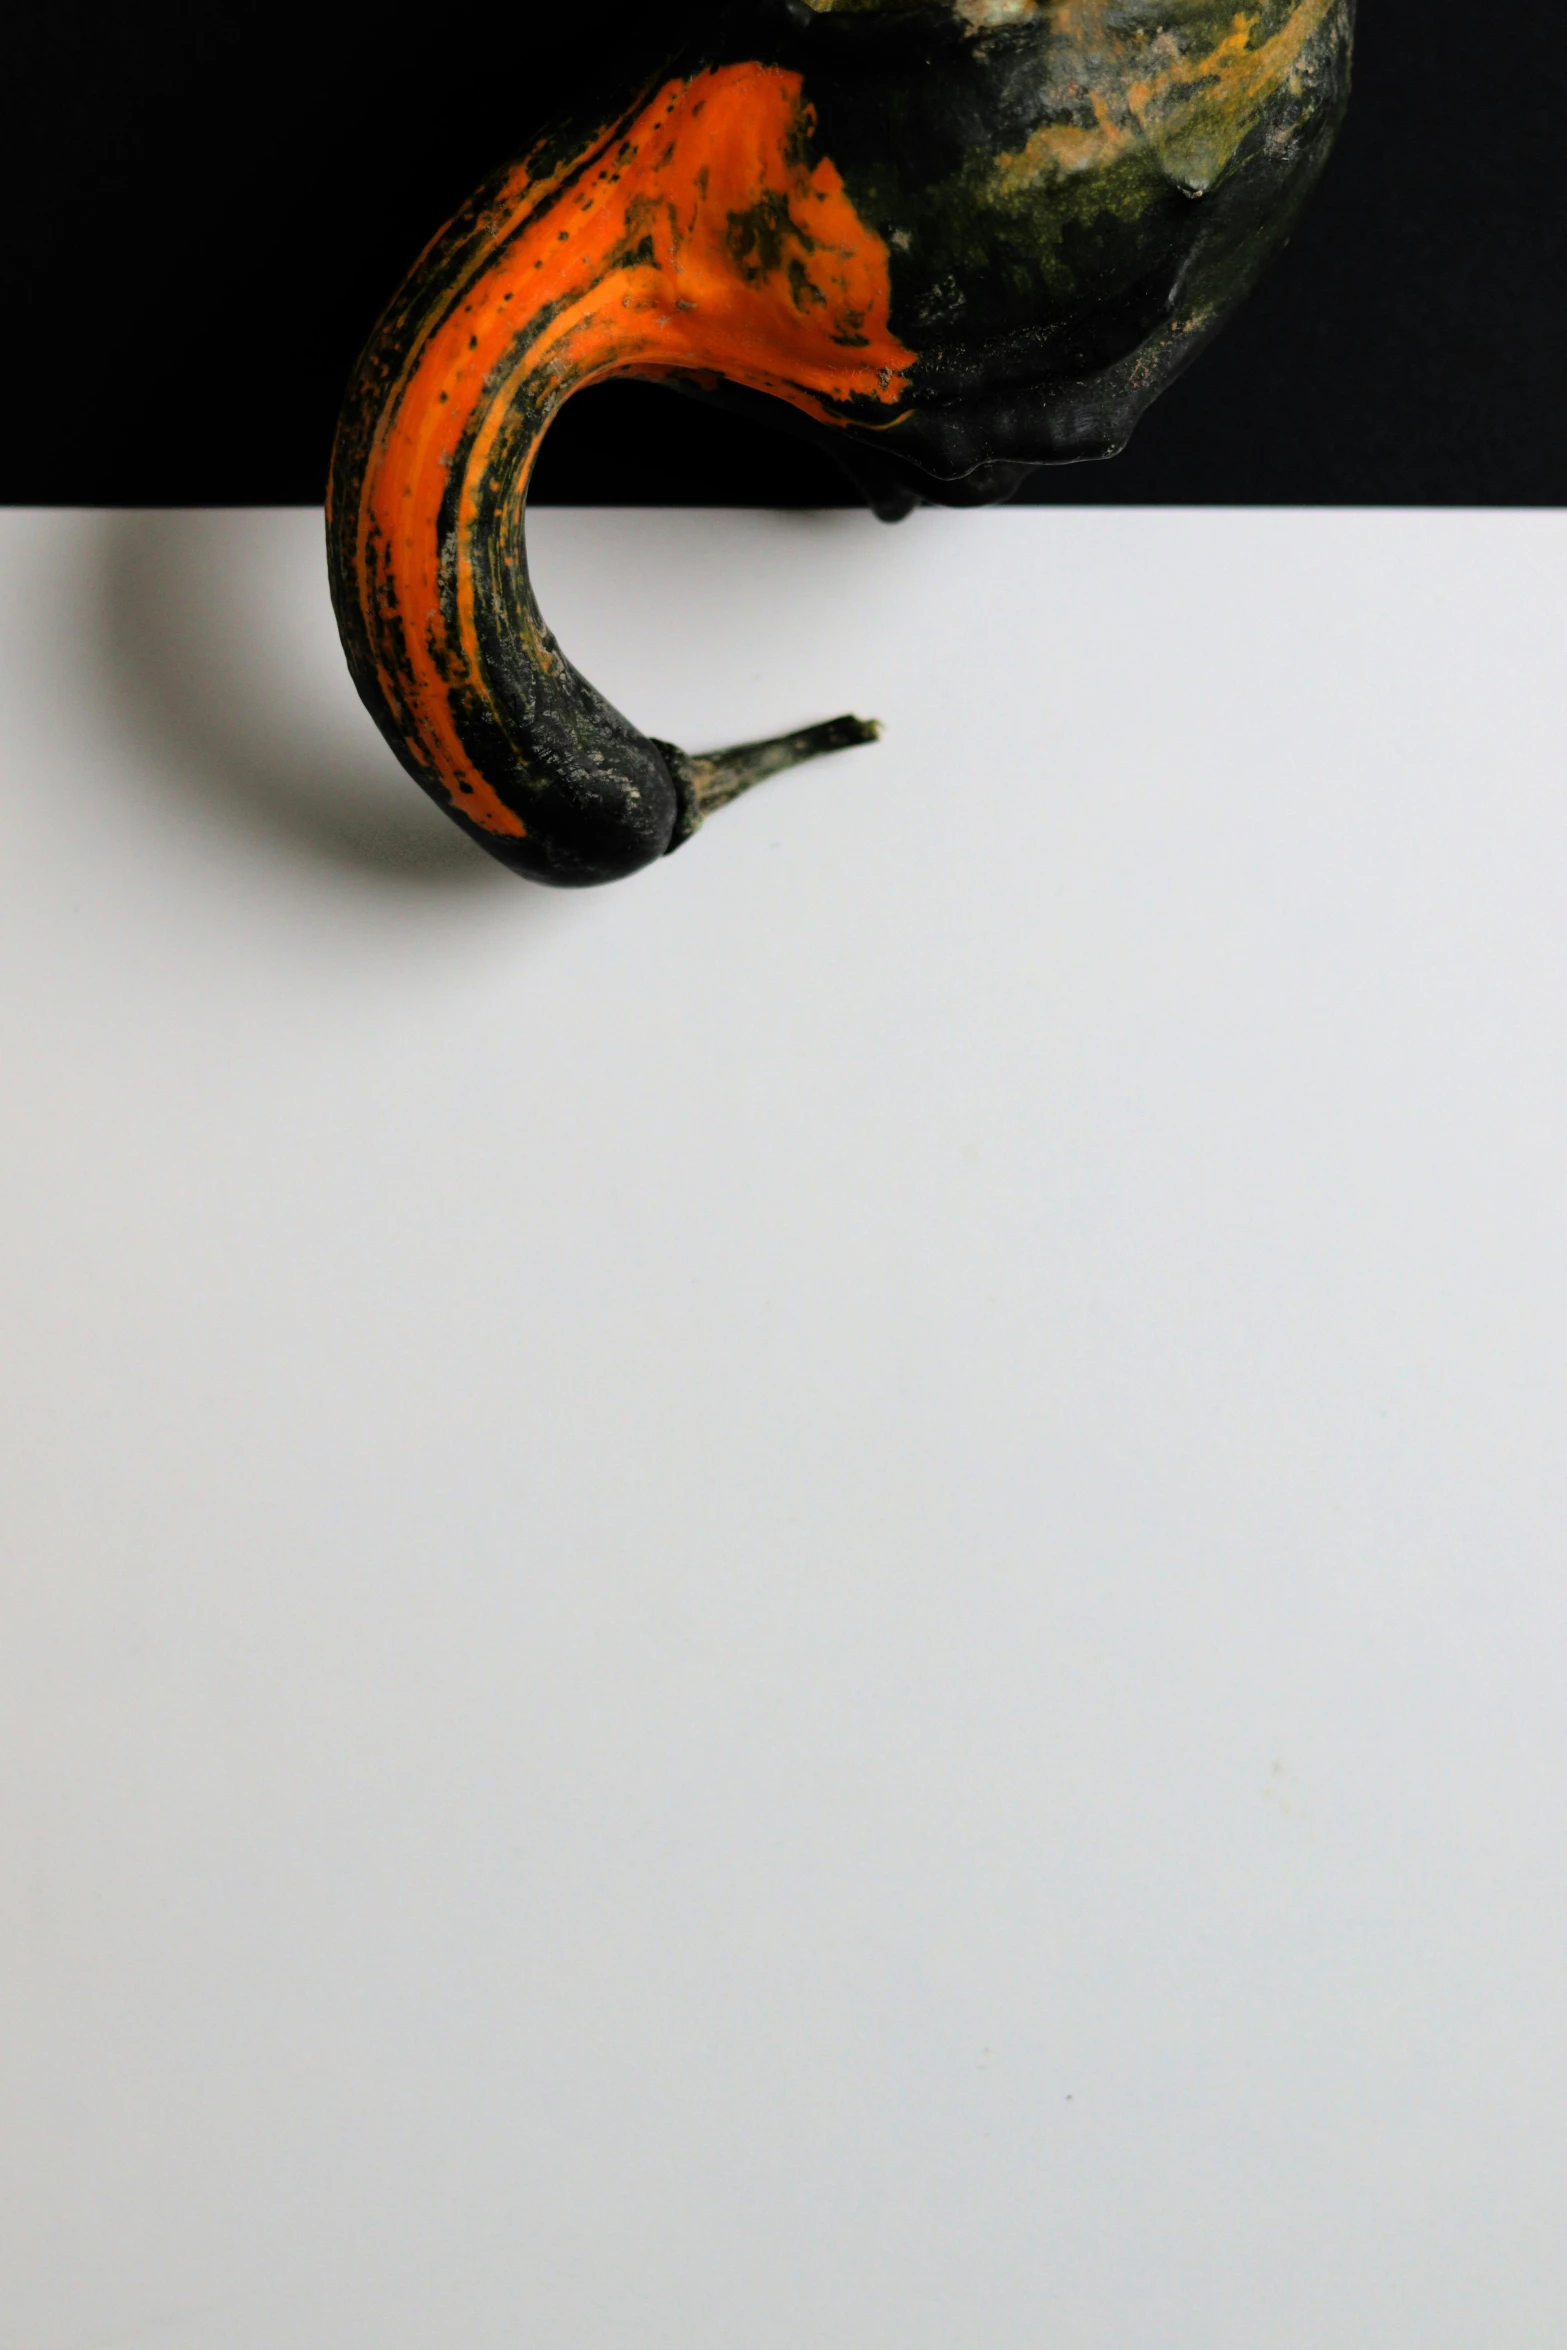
{"x": 1190, "y": 112}
{"x": 979, "y": 13}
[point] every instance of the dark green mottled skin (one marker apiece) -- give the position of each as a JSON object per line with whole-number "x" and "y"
{"x": 1049, "y": 309}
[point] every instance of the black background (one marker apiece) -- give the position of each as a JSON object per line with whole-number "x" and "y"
{"x": 205, "y": 204}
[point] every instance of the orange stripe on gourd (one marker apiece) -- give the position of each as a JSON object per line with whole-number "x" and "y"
{"x": 704, "y": 239}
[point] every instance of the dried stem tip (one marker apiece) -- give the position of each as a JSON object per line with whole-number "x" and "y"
{"x": 713, "y": 778}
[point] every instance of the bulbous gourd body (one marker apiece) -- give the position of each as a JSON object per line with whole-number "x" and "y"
{"x": 949, "y": 241}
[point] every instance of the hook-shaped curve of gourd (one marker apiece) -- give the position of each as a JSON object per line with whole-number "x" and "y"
{"x": 701, "y": 234}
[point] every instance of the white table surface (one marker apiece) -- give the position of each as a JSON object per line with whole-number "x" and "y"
{"x": 820, "y": 1604}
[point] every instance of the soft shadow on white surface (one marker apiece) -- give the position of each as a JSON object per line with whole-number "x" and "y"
{"x": 218, "y": 640}
{"x": 821, "y": 1608}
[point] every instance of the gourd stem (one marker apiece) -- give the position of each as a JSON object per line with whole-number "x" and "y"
{"x": 714, "y": 778}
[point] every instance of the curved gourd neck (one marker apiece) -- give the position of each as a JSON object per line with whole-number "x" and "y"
{"x": 701, "y": 235}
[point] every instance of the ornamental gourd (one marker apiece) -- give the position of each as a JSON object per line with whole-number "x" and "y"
{"x": 952, "y": 240}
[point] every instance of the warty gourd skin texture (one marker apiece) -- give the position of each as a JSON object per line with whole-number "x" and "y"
{"x": 951, "y": 240}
